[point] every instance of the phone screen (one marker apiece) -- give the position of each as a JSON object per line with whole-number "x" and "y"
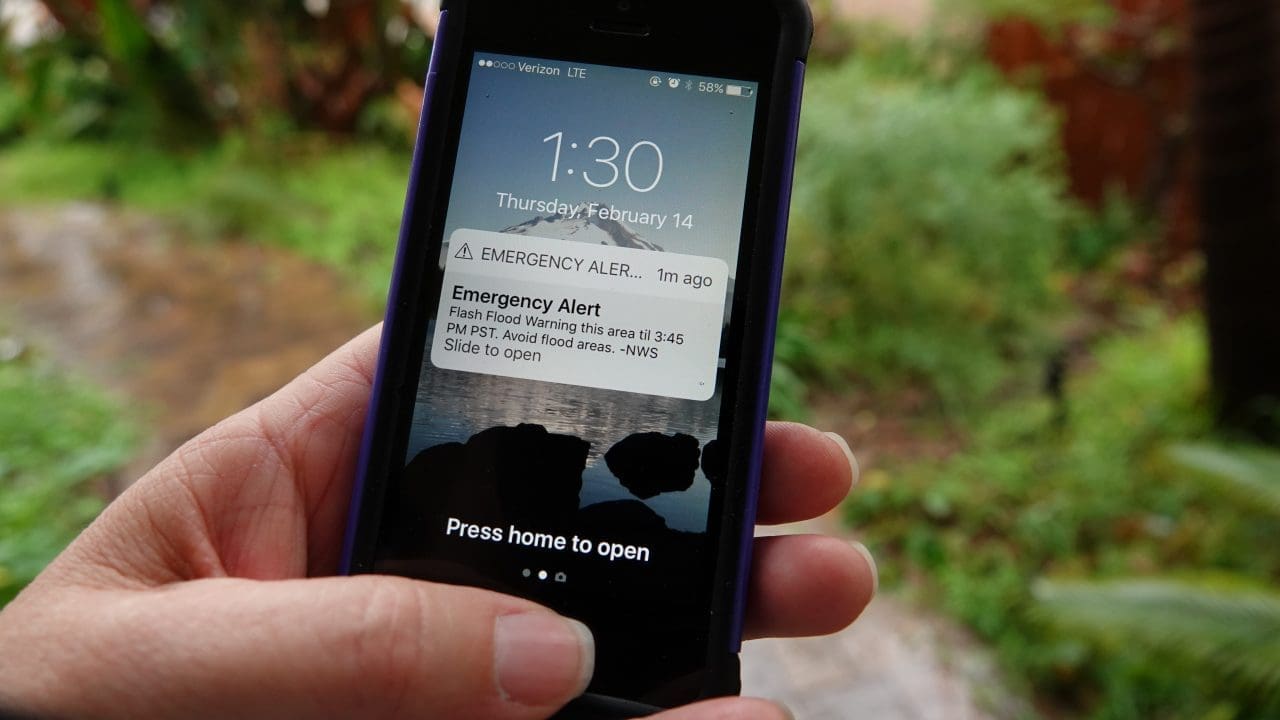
{"x": 564, "y": 440}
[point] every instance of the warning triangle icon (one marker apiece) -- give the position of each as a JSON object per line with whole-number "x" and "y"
{"x": 464, "y": 253}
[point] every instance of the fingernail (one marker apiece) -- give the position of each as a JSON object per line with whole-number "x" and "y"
{"x": 871, "y": 563}
{"x": 786, "y": 712}
{"x": 854, "y": 469}
{"x": 542, "y": 659}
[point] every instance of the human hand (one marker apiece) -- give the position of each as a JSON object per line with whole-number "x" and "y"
{"x": 204, "y": 590}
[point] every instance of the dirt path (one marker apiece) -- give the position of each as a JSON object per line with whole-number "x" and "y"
{"x": 185, "y": 332}
{"x": 897, "y": 662}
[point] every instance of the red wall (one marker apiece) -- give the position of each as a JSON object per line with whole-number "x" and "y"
{"x": 1124, "y": 93}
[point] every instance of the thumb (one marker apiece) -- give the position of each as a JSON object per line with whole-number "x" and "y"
{"x": 366, "y": 646}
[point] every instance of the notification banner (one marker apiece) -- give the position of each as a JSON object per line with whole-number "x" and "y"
{"x": 568, "y": 312}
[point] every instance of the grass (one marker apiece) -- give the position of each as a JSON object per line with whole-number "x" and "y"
{"x": 61, "y": 438}
{"x": 336, "y": 204}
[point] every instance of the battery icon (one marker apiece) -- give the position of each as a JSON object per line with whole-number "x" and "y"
{"x": 739, "y": 91}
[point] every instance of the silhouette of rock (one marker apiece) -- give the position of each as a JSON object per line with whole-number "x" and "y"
{"x": 648, "y": 464}
{"x": 501, "y": 475}
{"x": 413, "y": 500}
{"x": 715, "y": 462}
{"x": 538, "y": 474}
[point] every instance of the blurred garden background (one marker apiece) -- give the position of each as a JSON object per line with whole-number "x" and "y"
{"x": 1033, "y": 275}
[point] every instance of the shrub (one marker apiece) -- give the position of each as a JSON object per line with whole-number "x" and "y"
{"x": 929, "y": 211}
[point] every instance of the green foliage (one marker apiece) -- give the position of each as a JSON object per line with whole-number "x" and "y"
{"x": 1248, "y": 477}
{"x": 110, "y": 78}
{"x": 12, "y": 108}
{"x": 929, "y": 211}
{"x": 346, "y": 212}
{"x": 1215, "y": 627}
{"x": 155, "y": 74}
{"x": 1220, "y": 628}
{"x": 788, "y": 392}
{"x": 184, "y": 74}
{"x": 60, "y": 436}
{"x": 58, "y": 94}
{"x": 1091, "y": 494}
{"x": 1093, "y": 238}
{"x": 338, "y": 204}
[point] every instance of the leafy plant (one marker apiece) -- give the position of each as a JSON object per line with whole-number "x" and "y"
{"x": 1223, "y": 627}
{"x": 1249, "y": 477}
{"x": 1219, "y": 627}
{"x": 60, "y": 93}
{"x": 188, "y": 73}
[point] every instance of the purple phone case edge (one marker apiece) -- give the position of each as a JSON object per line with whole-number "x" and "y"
{"x": 762, "y": 410}
{"x": 397, "y": 274}
{"x": 753, "y": 493}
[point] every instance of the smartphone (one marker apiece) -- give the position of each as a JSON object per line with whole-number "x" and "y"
{"x": 574, "y": 372}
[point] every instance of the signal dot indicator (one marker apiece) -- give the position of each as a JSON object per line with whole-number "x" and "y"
{"x": 542, "y": 574}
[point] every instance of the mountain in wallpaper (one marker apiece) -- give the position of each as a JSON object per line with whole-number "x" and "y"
{"x": 594, "y": 230}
